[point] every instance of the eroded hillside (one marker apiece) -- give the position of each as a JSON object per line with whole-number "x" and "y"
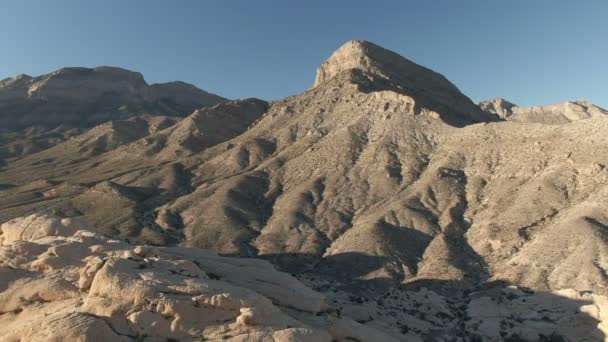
{"x": 381, "y": 177}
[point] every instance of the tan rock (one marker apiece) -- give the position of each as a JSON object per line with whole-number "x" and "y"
{"x": 83, "y": 287}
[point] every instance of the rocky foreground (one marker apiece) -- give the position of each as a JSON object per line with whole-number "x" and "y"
{"x": 59, "y": 281}
{"x": 62, "y": 283}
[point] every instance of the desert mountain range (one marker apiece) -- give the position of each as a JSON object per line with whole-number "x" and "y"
{"x": 391, "y": 206}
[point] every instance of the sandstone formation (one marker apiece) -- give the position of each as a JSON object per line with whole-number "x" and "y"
{"x": 59, "y": 282}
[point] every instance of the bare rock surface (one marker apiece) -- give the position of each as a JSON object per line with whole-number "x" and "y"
{"x": 431, "y": 89}
{"x": 60, "y": 282}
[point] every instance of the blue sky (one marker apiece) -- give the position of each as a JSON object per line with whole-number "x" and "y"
{"x": 531, "y": 52}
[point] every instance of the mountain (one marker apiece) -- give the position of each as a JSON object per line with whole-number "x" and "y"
{"x": 552, "y": 114}
{"x": 85, "y": 97}
{"x": 409, "y": 207}
{"x": 354, "y": 179}
{"x": 37, "y": 113}
{"x": 387, "y": 70}
{"x": 83, "y": 175}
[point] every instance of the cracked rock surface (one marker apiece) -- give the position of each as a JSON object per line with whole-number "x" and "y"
{"x": 60, "y": 282}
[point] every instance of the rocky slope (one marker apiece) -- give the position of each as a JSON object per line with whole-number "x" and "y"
{"x": 359, "y": 181}
{"x": 60, "y": 282}
{"x": 203, "y": 128}
{"x": 387, "y": 69}
{"x": 380, "y": 185}
{"x": 552, "y": 114}
{"x": 86, "y": 175}
{"x": 23, "y": 142}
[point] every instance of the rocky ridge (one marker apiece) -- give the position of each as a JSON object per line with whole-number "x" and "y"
{"x": 390, "y": 70}
{"x": 551, "y": 114}
{"x": 88, "y": 96}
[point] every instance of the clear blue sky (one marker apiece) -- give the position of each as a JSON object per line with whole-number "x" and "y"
{"x": 528, "y": 51}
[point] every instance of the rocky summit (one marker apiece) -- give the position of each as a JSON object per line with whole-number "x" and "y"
{"x": 380, "y": 204}
{"x": 386, "y": 69}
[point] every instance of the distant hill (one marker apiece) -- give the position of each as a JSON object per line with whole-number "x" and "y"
{"x": 83, "y": 97}
{"x": 551, "y": 114}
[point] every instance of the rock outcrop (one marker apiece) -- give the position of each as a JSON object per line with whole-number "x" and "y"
{"x": 498, "y": 106}
{"x": 59, "y": 282}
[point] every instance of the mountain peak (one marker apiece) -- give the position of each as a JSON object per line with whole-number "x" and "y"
{"x": 388, "y": 70}
{"x": 498, "y": 106}
{"x": 357, "y": 54}
{"x": 376, "y": 60}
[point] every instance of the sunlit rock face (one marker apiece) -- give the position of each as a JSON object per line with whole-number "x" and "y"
{"x": 62, "y": 283}
{"x": 388, "y": 69}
